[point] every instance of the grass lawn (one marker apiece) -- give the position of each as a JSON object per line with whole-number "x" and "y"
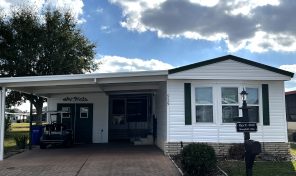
{"x": 293, "y": 149}
{"x": 262, "y": 168}
{"x": 20, "y": 127}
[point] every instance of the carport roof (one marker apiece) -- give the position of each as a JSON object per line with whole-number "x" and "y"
{"x": 6, "y": 80}
{"x": 85, "y": 83}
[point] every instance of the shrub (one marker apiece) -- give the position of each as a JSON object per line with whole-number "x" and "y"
{"x": 237, "y": 152}
{"x": 21, "y": 141}
{"x": 198, "y": 159}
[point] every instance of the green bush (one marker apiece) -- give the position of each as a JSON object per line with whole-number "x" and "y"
{"x": 21, "y": 141}
{"x": 237, "y": 152}
{"x": 198, "y": 159}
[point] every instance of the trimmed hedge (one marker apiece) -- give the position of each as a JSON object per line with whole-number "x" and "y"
{"x": 198, "y": 159}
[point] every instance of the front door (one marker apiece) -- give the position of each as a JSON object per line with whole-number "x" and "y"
{"x": 80, "y": 119}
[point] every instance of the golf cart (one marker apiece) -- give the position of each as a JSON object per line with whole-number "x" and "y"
{"x": 55, "y": 132}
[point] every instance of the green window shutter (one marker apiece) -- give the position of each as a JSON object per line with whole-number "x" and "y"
{"x": 265, "y": 104}
{"x": 187, "y": 103}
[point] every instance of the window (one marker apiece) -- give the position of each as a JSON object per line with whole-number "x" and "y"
{"x": 204, "y": 104}
{"x": 66, "y": 112}
{"x": 253, "y": 104}
{"x": 291, "y": 107}
{"x": 230, "y": 104}
{"x": 84, "y": 112}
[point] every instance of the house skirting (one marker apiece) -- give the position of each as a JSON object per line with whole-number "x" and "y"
{"x": 277, "y": 149}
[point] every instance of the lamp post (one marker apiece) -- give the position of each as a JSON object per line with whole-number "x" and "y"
{"x": 248, "y": 156}
{"x": 252, "y": 148}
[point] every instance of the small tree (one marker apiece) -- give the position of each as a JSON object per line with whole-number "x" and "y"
{"x": 48, "y": 44}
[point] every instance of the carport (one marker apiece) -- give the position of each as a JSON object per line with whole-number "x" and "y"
{"x": 72, "y": 88}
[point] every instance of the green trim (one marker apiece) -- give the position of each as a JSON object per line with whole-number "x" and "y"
{"x": 187, "y": 103}
{"x": 265, "y": 104}
{"x": 235, "y": 58}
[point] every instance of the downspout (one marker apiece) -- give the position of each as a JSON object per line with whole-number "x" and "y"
{"x": 2, "y": 121}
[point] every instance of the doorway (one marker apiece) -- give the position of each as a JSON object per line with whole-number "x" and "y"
{"x": 79, "y": 118}
{"x": 129, "y": 117}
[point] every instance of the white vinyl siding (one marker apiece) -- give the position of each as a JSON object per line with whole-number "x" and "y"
{"x": 218, "y": 131}
{"x": 230, "y": 70}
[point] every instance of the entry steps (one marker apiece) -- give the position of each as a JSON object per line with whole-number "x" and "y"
{"x": 143, "y": 141}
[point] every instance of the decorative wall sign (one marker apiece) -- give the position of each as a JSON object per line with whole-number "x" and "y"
{"x": 75, "y": 99}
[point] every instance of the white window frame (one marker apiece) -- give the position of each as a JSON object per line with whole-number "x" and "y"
{"x": 240, "y": 87}
{"x": 196, "y": 104}
{"x": 217, "y": 101}
{"x": 214, "y": 104}
{"x": 66, "y": 112}
{"x": 259, "y": 101}
{"x": 220, "y": 105}
{"x": 84, "y": 112}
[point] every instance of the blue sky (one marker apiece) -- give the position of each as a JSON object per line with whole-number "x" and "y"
{"x": 161, "y": 34}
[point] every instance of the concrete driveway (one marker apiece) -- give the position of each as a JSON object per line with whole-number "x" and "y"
{"x": 103, "y": 159}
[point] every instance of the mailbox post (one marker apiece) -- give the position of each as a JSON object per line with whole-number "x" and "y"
{"x": 252, "y": 148}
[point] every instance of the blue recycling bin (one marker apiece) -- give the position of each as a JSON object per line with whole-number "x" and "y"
{"x": 37, "y": 132}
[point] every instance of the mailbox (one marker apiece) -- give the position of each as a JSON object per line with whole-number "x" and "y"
{"x": 253, "y": 147}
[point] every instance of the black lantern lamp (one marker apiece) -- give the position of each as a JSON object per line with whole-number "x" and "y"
{"x": 244, "y": 95}
{"x": 244, "y": 108}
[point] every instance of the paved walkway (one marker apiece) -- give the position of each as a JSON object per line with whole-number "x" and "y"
{"x": 96, "y": 160}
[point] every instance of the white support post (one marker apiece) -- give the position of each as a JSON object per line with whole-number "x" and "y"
{"x": 2, "y": 121}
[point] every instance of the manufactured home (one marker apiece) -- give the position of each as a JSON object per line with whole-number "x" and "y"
{"x": 291, "y": 113}
{"x": 193, "y": 103}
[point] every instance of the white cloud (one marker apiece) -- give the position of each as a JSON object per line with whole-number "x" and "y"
{"x": 259, "y": 26}
{"x": 290, "y": 68}
{"x": 74, "y": 6}
{"x": 99, "y": 10}
{"x": 81, "y": 21}
{"x": 106, "y": 29}
{"x": 111, "y": 64}
{"x": 290, "y": 85}
{"x": 209, "y": 3}
{"x": 290, "y": 89}
{"x": 4, "y": 5}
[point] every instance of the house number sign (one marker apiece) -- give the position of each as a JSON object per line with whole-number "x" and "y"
{"x": 246, "y": 127}
{"x": 75, "y": 99}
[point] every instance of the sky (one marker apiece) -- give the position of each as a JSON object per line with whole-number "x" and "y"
{"x": 136, "y": 35}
